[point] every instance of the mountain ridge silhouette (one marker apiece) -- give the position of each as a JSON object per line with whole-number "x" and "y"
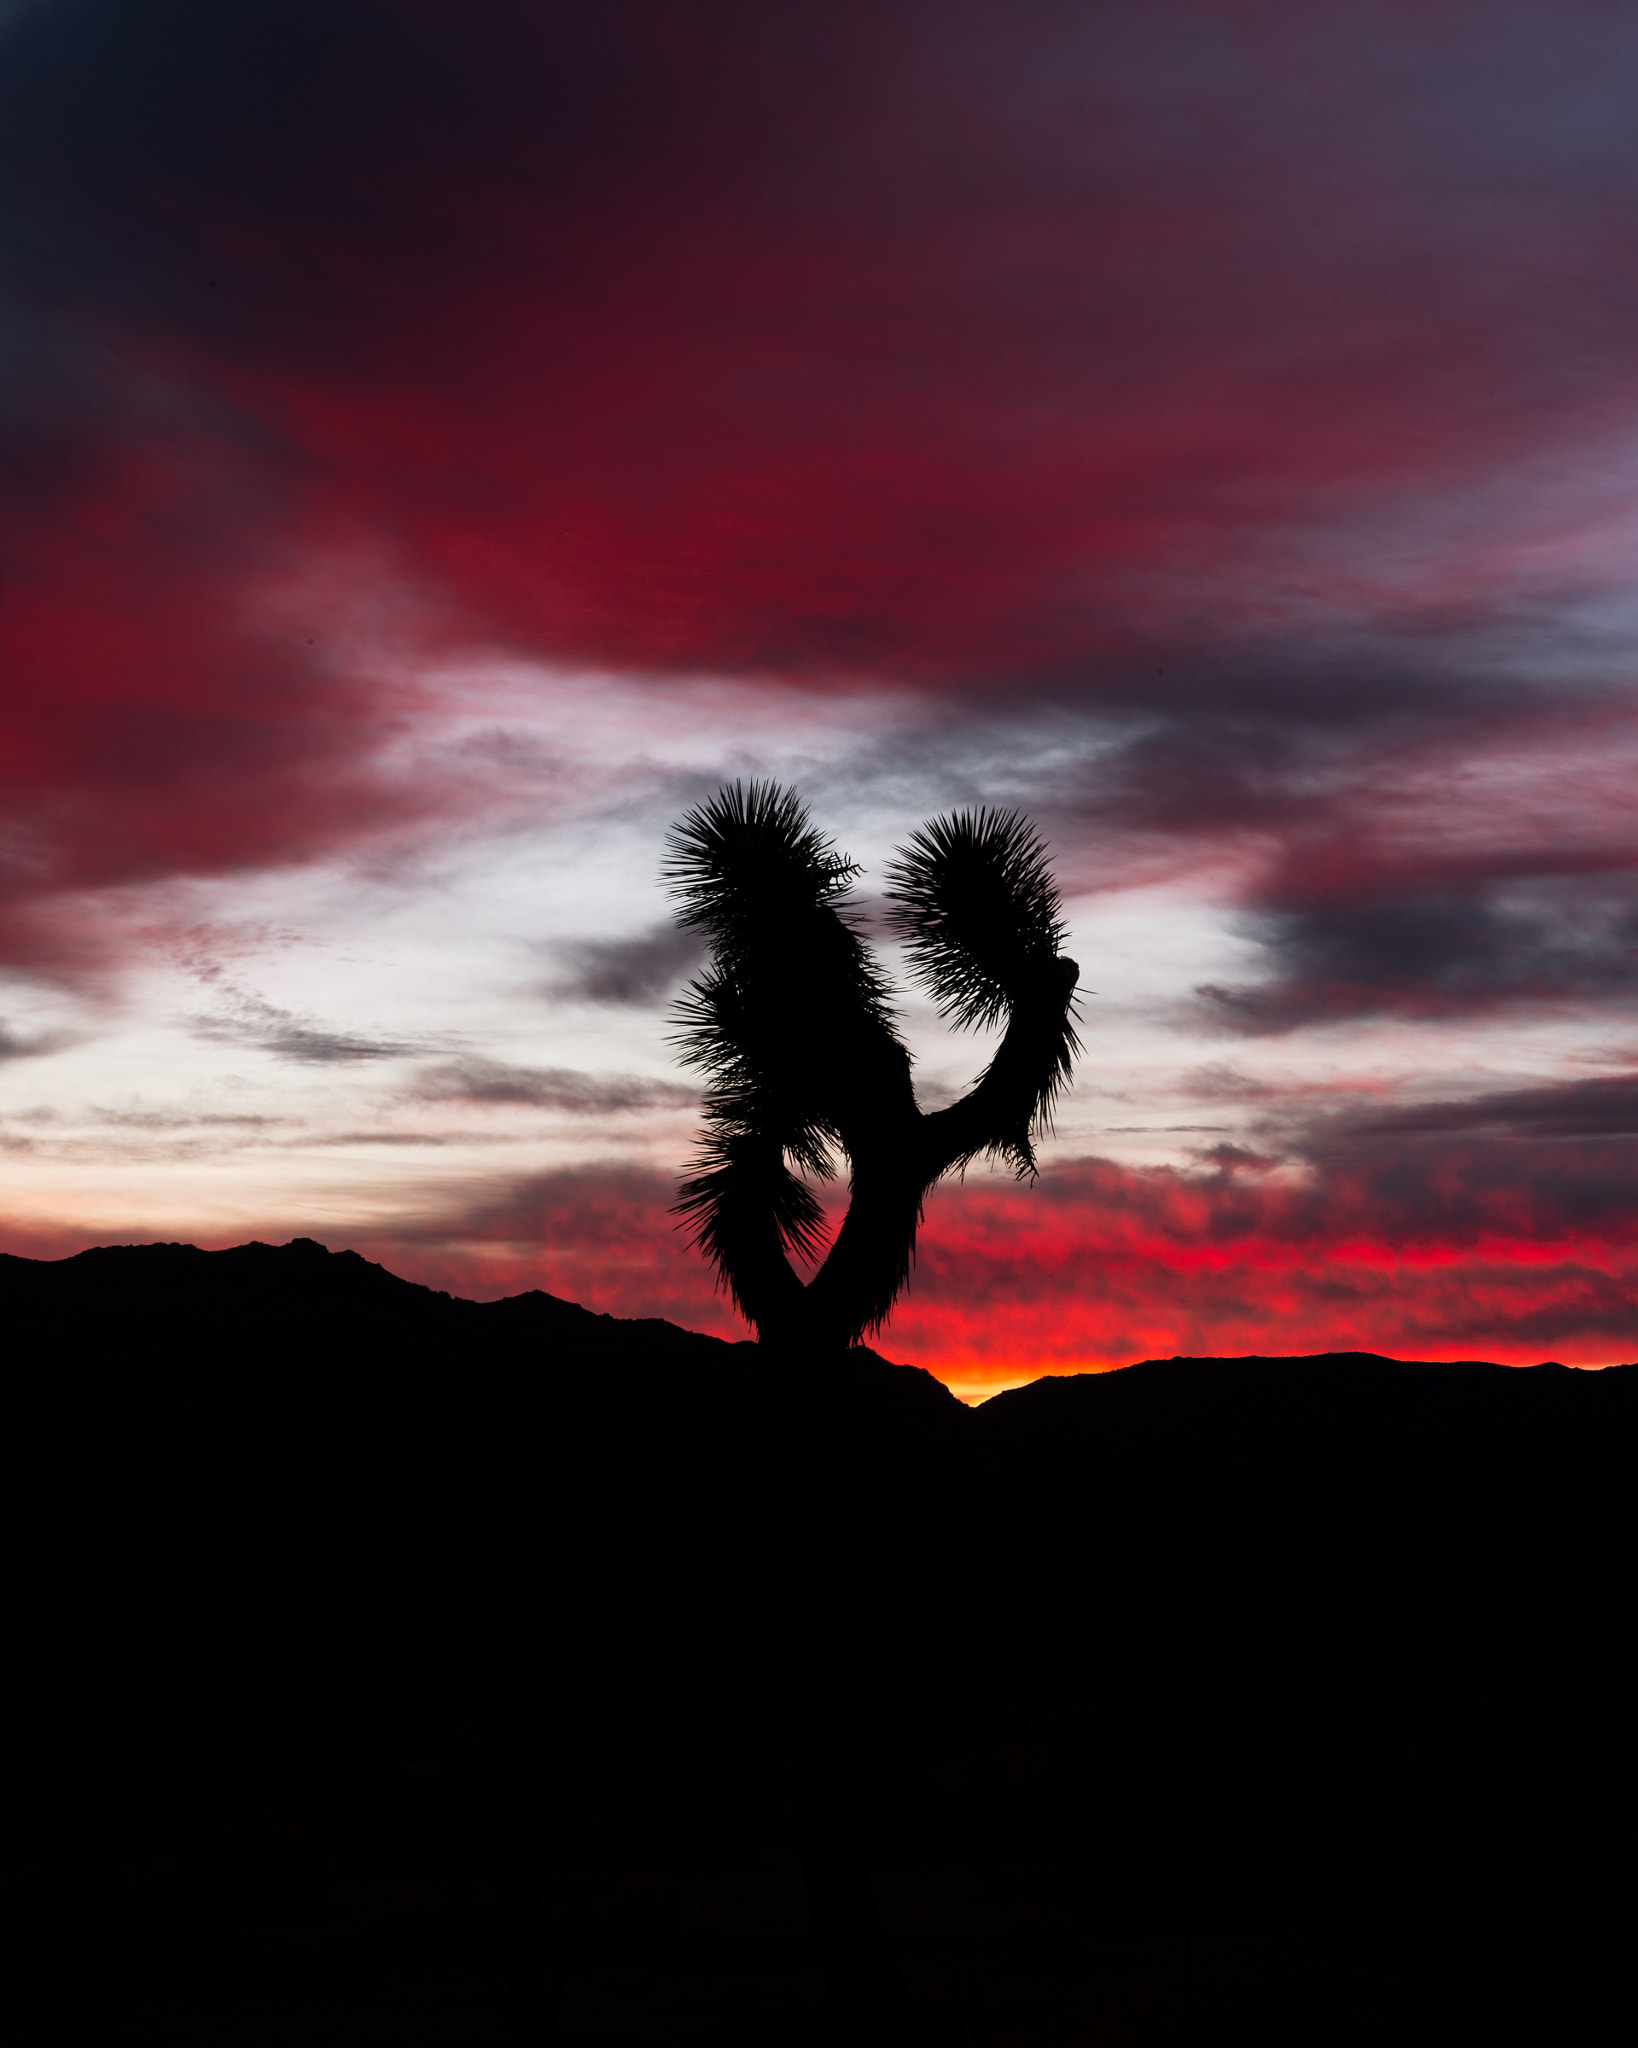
{"x": 1426, "y": 1450}
{"x": 384, "y": 1666}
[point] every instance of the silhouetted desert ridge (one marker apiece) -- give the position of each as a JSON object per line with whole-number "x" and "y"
{"x": 293, "y": 1345}
{"x": 387, "y": 1668}
{"x": 1357, "y": 1445}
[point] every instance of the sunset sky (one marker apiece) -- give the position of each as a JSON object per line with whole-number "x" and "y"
{"x": 439, "y": 443}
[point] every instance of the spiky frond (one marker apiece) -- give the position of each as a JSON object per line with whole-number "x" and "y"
{"x": 1032, "y": 1067}
{"x": 793, "y": 990}
{"x": 756, "y": 1089}
{"x": 791, "y": 1025}
{"x": 976, "y": 906}
{"x": 740, "y": 1183}
{"x": 744, "y": 864}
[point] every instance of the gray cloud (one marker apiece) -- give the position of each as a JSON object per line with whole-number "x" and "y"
{"x": 413, "y": 1140}
{"x": 247, "y": 1019}
{"x": 1605, "y": 1106}
{"x": 567, "y": 1089}
{"x": 1435, "y": 945}
{"x": 15, "y": 1045}
{"x": 633, "y": 971}
{"x": 179, "y": 1120}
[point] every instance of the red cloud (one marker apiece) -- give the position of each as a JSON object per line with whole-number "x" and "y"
{"x": 964, "y": 345}
{"x": 1514, "y": 1253}
{"x": 150, "y": 726}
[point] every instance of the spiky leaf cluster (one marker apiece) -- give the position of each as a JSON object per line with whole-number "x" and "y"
{"x": 741, "y": 1187}
{"x": 976, "y": 906}
{"x": 749, "y": 870}
{"x": 750, "y": 858}
{"x": 792, "y": 991}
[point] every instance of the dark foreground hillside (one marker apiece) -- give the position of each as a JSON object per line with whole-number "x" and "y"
{"x": 387, "y": 1669}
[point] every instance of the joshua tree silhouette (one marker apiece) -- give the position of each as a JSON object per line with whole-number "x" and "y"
{"x": 793, "y": 1026}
